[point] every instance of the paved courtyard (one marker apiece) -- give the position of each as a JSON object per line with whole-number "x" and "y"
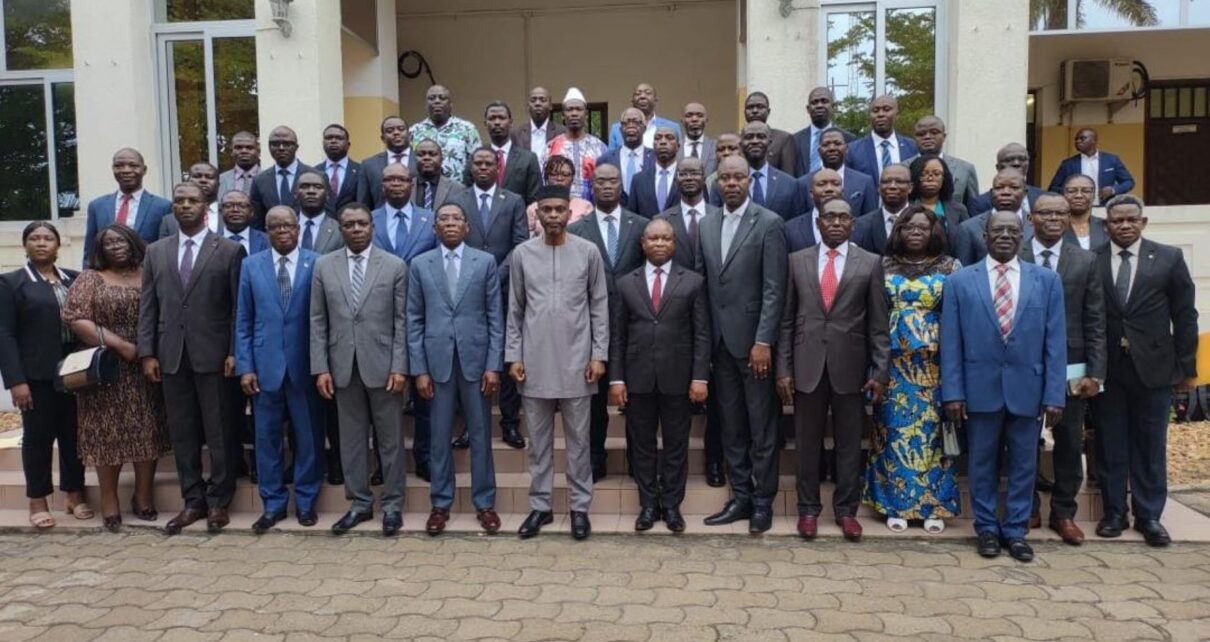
{"x": 144, "y": 586}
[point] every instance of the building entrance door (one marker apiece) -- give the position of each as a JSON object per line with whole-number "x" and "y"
{"x": 1176, "y": 144}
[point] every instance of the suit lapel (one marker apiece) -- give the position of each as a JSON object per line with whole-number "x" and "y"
{"x": 469, "y": 263}
{"x": 302, "y": 273}
{"x": 372, "y": 269}
{"x": 142, "y": 214}
{"x": 985, "y": 294}
{"x": 640, "y": 282}
{"x": 852, "y": 264}
{"x": 594, "y": 235}
{"x": 209, "y": 246}
{"x": 1144, "y": 266}
{"x": 493, "y": 212}
{"x": 672, "y": 278}
{"x": 710, "y": 237}
{"x": 741, "y": 232}
{"x": 880, "y": 238}
{"x": 1105, "y": 266}
{"x": 625, "y": 235}
{"x": 1026, "y": 290}
{"x": 415, "y": 229}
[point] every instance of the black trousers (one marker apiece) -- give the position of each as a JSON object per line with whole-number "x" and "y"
{"x": 1132, "y": 443}
{"x": 810, "y": 419}
{"x": 598, "y": 426}
{"x": 509, "y": 398}
{"x": 197, "y": 407}
{"x": 52, "y": 419}
{"x": 660, "y": 474}
{"x": 714, "y": 431}
{"x": 1068, "y": 458}
{"x": 751, "y": 415}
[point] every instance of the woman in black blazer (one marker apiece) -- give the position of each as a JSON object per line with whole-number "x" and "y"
{"x": 33, "y": 340}
{"x": 933, "y": 187}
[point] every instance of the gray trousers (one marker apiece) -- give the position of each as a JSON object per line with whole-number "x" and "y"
{"x": 363, "y": 412}
{"x": 540, "y": 421}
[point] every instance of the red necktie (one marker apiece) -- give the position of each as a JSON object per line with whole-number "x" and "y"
{"x": 828, "y": 283}
{"x": 500, "y": 167}
{"x": 124, "y": 210}
{"x": 657, "y": 290}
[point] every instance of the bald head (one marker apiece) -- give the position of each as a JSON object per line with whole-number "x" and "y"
{"x": 883, "y": 112}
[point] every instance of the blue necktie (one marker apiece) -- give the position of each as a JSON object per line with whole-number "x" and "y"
{"x": 308, "y": 237}
{"x": 816, "y": 162}
{"x": 611, "y": 240}
{"x": 401, "y": 231}
{"x": 886, "y": 154}
{"x": 283, "y": 189}
{"x": 661, "y": 189}
{"x": 758, "y": 190}
{"x": 485, "y": 210}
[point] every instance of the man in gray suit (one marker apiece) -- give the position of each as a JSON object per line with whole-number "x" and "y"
{"x": 320, "y": 233}
{"x": 245, "y": 151}
{"x": 696, "y": 143}
{"x": 930, "y": 139}
{"x": 186, "y": 323}
{"x": 432, "y": 189}
{"x": 833, "y": 348}
{"x": 359, "y": 356}
{"x": 398, "y": 142}
{"x": 1084, "y": 300}
{"x": 1008, "y": 194}
{"x": 744, "y": 253}
{"x": 456, "y": 351}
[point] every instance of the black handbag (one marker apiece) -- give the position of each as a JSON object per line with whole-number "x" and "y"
{"x": 89, "y": 368}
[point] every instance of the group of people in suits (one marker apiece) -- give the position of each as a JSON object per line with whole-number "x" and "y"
{"x": 729, "y": 276}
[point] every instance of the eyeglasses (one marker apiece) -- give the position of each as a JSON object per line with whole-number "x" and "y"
{"x": 280, "y": 227}
{"x": 1050, "y": 214}
{"x": 922, "y": 228}
{"x": 834, "y": 217}
{"x": 235, "y": 206}
{"x": 282, "y": 143}
{"x": 895, "y": 181}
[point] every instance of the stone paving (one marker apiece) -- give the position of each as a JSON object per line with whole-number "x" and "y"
{"x": 145, "y": 586}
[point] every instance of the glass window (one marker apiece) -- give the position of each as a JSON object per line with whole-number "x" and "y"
{"x": 67, "y": 181}
{"x": 37, "y": 34}
{"x": 24, "y": 180}
{"x": 1199, "y": 12}
{"x": 911, "y": 65}
{"x": 234, "y": 92}
{"x": 1045, "y": 15}
{"x": 851, "y": 69}
{"x": 1098, "y": 14}
{"x": 188, "y": 90}
{"x": 204, "y": 10}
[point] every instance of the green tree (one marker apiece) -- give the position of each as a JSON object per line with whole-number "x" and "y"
{"x": 37, "y": 34}
{"x": 1046, "y": 15}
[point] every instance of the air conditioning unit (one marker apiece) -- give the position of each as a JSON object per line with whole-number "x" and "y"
{"x": 1104, "y": 80}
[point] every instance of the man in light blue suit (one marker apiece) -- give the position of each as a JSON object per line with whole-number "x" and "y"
{"x": 272, "y": 358}
{"x": 1003, "y": 367}
{"x": 456, "y": 351}
{"x": 644, "y": 100}
{"x": 406, "y": 230}
{"x": 131, "y": 205}
{"x": 1111, "y": 176}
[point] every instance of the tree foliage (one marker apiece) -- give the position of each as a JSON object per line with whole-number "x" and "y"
{"x": 1045, "y": 15}
{"x": 37, "y": 34}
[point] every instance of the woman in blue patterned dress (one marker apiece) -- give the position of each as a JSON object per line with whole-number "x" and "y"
{"x": 908, "y": 479}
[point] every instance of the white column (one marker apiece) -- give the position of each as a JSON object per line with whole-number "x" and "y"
{"x": 782, "y": 59}
{"x": 371, "y": 82}
{"x": 299, "y": 78}
{"x": 988, "y": 79}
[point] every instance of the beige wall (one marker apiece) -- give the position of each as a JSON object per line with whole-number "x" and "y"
{"x": 484, "y": 51}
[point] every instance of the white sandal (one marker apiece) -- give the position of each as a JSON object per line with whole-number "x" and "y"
{"x": 896, "y": 524}
{"x": 934, "y": 526}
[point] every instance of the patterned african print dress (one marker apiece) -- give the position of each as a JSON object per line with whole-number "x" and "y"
{"x": 907, "y": 476}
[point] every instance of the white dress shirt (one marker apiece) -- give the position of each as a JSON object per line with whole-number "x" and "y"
{"x": 843, "y": 250}
{"x": 1085, "y": 241}
{"x": 291, "y": 263}
{"x": 132, "y": 210}
{"x": 537, "y": 138}
{"x": 1054, "y": 250}
{"x": 197, "y": 246}
{"x": 491, "y": 194}
{"x": 245, "y": 237}
{"x": 393, "y": 221}
{"x": 889, "y": 218}
{"x": 688, "y": 143}
{"x": 603, "y": 225}
{"x": 365, "y": 262}
{"x": 1115, "y": 262}
{"x": 405, "y": 157}
{"x": 624, "y": 157}
{"x": 649, "y": 133}
{"x": 1013, "y": 275}
{"x": 1090, "y": 166}
{"x": 213, "y": 218}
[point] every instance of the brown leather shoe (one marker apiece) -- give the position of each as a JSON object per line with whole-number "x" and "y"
{"x": 184, "y": 518}
{"x": 1068, "y": 530}
{"x": 216, "y": 519}
{"x": 437, "y": 520}
{"x": 850, "y": 527}
{"x": 1035, "y": 522}
{"x": 489, "y": 520}
{"x": 808, "y": 526}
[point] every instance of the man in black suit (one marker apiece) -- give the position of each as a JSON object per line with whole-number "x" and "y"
{"x": 807, "y": 139}
{"x": 398, "y": 141}
{"x": 274, "y": 185}
{"x": 801, "y": 231}
{"x": 496, "y": 230}
{"x": 744, "y": 253}
{"x": 686, "y": 218}
{"x": 1152, "y": 342}
{"x": 659, "y": 365}
{"x": 186, "y": 322}
{"x": 654, "y": 188}
{"x": 770, "y": 187}
{"x": 539, "y": 129}
{"x": 1011, "y": 156}
{"x": 517, "y": 168}
{"x": 1084, "y": 301}
{"x": 781, "y": 150}
{"x": 342, "y": 172}
{"x": 617, "y": 233}
{"x": 432, "y": 189}
{"x": 871, "y": 231}
{"x": 858, "y": 188}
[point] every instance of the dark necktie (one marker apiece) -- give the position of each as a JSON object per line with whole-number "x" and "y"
{"x": 1122, "y": 284}
{"x": 692, "y": 228}
{"x": 401, "y": 231}
{"x": 283, "y": 282}
{"x": 1046, "y": 262}
{"x": 283, "y": 188}
{"x": 308, "y": 237}
{"x": 657, "y": 290}
{"x": 500, "y": 167}
{"x": 758, "y": 190}
{"x": 430, "y": 192}
{"x": 485, "y": 210}
{"x": 187, "y": 263}
{"x": 694, "y": 153}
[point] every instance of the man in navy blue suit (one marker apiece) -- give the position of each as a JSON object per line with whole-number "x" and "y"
{"x": 654, "y": 189}
{"x": 273, "y": 361}
{"x": 1003, "y": 367}
{"x": 872, "y": 232}
{"x": 274, "y": 185}
{"x": 1105, "y": 169}
{"x": 1011, "y": 156}
{"x": 869, "y": 154}
{"x": 342, "y": 172}
{"x": 768, "y": 186}
{"x": 236, "y": 210}
{"x": 406, "y": 230}
{"x": 858, "y": 188}
{"x": 807, "y": 139}
{"x": 131, "y": 205}
{"x": 456, "y": 352}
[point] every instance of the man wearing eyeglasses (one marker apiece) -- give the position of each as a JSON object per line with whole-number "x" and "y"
{"x": 1084, "y": 302}
{"x": 274, "y": 185}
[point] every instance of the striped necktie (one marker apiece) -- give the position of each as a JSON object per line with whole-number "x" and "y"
{"x": 1003, "y": 301}
{"x": 358, "y": 278}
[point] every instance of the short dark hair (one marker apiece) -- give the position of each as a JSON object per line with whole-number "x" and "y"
{"x": 138, "y": 248}
{"x": 203, "y": 163}
{"x": 937, "y": 236}
{"x": 243, "y": 133}
{"x": 987, "y": 223}
{"x": 556, "y": 161}
{"x": 29, "y": 229}
{"x": 337, "y": 126}
{"x": 947, "y": 181}
{"x": 757, "y": 94}
{"x": 1077, "y": 177}
{"x": 354, "y": 205}
{"x": 1123, "y": 199}
{"x": 314, "y": 172}
{"x": 483, "y": 148}
{"x": 453, "y": 205}
{"x": 497, "y": 103}
{"x": 383, "y": 124}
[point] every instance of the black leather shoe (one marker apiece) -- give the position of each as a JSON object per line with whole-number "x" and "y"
{"x": 674, "y": 520}
{"x": 733, "y": 511}
{"x": 350, "y": 521}
{"x": 376, "y": 478}
{"x": 647, "y": 519}
{"x": 534, "y": 523}
{"x": 267, "y": 521}
{"x": 1112, "y": 526}
{"x": 252, "y": 467}
{"x": 423, "y": 472}
{"x": 598, "y": 469}
{"x": 989, "y": 545}
{"x": 1153, "y": 532}
{"x": 336, "y": 476}
{"x": 513, "y": 438}
{"x": 307, "y": 518}
{"x": 391, "y": 523}
{"x": 1019, "y": 550}
{"x": 761, "y": 520}
{"x": 580, "y": 527}
{"x": 715, "y": 477}
{"x": 461, "y": 442}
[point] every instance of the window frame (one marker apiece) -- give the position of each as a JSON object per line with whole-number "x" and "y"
{"x": 1072, "y": 28}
